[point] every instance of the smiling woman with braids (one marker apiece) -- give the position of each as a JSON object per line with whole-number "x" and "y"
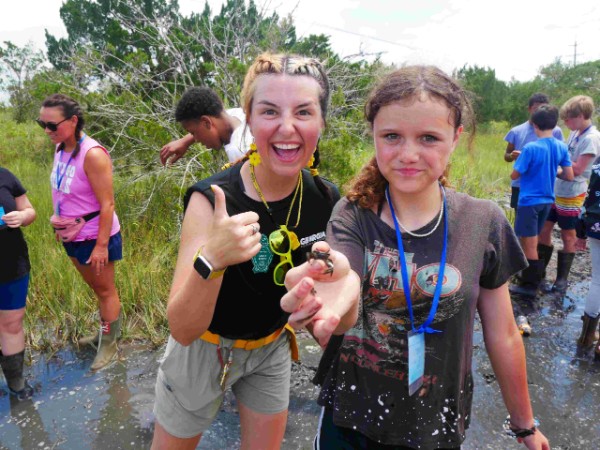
{"x": 243, "y": 229}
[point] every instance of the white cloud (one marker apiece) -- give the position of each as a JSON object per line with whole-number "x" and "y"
{"x": 22, "y": 21}
{"x": 514, "y": 37}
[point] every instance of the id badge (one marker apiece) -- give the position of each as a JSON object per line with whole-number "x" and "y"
{"x": 416, "y": 361}
{"x": 1, "y": 214}
{"x": 57, "y": 211}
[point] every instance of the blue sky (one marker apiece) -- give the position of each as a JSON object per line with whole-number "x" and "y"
{"x": 514, "y": 37}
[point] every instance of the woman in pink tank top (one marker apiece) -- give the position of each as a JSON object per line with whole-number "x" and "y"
{"x": 82, "y": 187}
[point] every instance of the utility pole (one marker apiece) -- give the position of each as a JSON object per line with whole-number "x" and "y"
{"x": 575, "y": 53}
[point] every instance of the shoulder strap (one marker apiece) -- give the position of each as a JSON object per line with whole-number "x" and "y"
{"x": 90, "y": 216}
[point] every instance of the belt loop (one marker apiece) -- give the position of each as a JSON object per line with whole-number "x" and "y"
{"x": 225, "y": 343}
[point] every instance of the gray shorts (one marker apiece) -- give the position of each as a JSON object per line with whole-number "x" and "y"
{"x": 188, "y": 394}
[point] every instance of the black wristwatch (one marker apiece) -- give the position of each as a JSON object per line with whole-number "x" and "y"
{"x": 205, "y": 268}
{"x": 519, "y": 432}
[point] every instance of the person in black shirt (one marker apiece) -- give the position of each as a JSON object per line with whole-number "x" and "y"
{"x": 243, "y": 229}
{"x": 589, "y": 227}
{"x": 15, "y": 212}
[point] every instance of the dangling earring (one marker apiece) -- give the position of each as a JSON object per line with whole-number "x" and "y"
{"x": 311, "y": 162}
{"x": 253, "y": 155}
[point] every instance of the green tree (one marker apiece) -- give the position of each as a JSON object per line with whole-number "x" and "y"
{"x": 517, "y": 100}
{"x": 489, "y": 92}
{"x": 18, "y": 65}
{"x": 129, "y": 62}
{"x": 120, "y": 28}
{"x": 562, "y": 81}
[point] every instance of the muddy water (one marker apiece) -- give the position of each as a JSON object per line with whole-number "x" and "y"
{"x": 73, "y": 409}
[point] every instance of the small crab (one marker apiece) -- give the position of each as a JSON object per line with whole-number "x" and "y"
{"x": 323, "y": 256}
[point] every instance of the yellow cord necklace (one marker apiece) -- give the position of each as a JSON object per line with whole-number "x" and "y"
{"x": 294, "y": 238}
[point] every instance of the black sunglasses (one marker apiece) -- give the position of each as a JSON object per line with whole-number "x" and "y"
{"x": 50, "y": 125}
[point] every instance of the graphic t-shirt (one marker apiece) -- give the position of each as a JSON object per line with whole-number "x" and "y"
{"x": 14, "y": 257}
{"x": 591, "y": 206}
{"x": 364, "y": 374}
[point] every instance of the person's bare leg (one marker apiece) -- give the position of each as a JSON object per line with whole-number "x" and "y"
{"x": 529, "y": 246}
{"x": 12, "y": 336}
{"x": 261, "y": 431}
{"x": 104, "y": 287}
{"x": 162, "y": 440}
{"x": 569, "y": 238}
{"x": 545, "y": 236}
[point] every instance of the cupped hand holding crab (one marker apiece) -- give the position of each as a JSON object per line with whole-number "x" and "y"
{"x": 322, "y": 294}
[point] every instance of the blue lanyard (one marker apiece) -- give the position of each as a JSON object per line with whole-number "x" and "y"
{"x": 60, "y": 177}
{"x": 424, "y": 328}
{"x": 581, "y": 134}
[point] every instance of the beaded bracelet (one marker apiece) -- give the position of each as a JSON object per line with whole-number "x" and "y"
{"x": 519, "y": 432}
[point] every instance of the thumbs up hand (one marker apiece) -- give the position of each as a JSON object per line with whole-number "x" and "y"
{"x": 231, "y": 239}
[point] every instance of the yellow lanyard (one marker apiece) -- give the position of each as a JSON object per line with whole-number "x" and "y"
{"x": 262, "y": 197}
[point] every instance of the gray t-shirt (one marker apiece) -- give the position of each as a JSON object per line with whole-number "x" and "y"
{"x": 586, "y": 143}
{"x": 364, "y": 374}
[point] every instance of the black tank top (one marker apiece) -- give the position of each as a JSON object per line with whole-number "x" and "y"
{"x": 248, "y": 302}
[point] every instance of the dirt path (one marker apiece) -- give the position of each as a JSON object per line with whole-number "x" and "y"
{"x": 74, "y": 409}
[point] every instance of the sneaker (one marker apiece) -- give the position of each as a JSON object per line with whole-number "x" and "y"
{"x": 523, "y": 326}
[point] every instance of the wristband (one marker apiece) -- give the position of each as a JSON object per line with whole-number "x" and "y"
{"x": 519, "y": 432}
{"x": 205, "y": 268}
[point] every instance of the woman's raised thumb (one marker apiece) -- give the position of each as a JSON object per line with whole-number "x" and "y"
{"x": 220, "y": 203}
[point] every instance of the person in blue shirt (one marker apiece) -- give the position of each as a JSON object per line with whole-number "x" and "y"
{"x": 537, "y": 168}
{"x": 521, "y": 135}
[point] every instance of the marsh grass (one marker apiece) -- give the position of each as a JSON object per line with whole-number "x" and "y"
{"x": 483, "y": 172}
{"x": 61, "y": 307}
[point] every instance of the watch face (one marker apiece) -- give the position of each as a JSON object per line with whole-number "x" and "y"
{"x": 202, "y": 267}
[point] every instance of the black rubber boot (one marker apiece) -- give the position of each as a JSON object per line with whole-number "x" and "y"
{"x": 12, "y": 366}
{"x": 563, "y": 267}
{"x": 530, "y": 279}
{"x": 545, "y": 254}
{"x": 588, "y": 331}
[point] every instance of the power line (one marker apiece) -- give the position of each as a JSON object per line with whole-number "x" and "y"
{"x": 341, "y": 30}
